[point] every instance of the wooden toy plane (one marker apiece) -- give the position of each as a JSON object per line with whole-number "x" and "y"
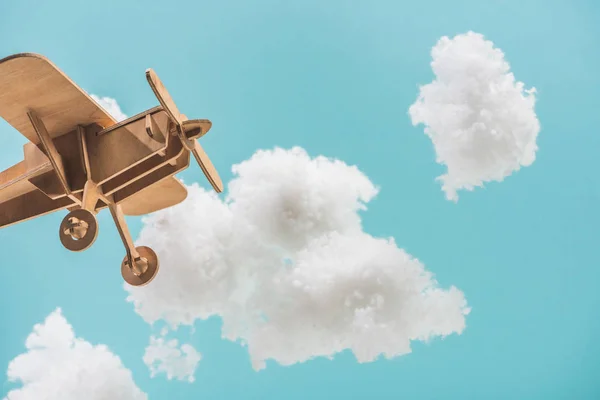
{"x": 80, "y": 159}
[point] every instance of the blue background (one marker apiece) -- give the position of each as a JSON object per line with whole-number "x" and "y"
{"x": 337, "y": 78}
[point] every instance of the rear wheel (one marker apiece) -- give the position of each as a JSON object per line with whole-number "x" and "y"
{"x": 144, "y": 269}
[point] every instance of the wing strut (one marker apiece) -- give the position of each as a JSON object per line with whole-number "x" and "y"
{"x": 140, "y": 265}
{"x": 52, "y": 154}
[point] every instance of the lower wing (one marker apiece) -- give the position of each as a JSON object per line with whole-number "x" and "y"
{"x": 163, "y": 194}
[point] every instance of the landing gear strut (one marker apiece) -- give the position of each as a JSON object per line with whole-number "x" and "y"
{"x": 140, "y": 265}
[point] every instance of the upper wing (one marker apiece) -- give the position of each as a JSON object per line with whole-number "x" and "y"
{"x": 166, "y": 193}
{"x": 32, "y": 82}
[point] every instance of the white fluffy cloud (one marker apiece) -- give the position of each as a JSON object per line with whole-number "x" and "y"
{"x": 111, "y": 106}
{"x": 59, "y": 366}
{"x": 285, "y": 263}
{"x": 481, "y": 121}
{"x": 166, "y": 356}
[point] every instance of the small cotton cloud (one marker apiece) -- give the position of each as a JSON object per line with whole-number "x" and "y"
{"x": 285, "y": 263}
{"x": 481, "y": 120}
{"x": 59, "y": 366}
{"x": 111, "y": 106}
{"x": 166, "y": 356}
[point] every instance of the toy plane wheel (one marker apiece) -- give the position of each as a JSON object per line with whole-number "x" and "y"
{"x": 78, "y": 230}
{"x": 147, "y": 264}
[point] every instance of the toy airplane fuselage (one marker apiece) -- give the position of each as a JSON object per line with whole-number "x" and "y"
{"x": 80, "y": 159}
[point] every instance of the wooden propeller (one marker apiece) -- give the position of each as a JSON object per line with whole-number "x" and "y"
{"x": 187, "y": 130}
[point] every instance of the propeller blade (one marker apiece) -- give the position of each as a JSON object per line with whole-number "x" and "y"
{"x": 163, "y": 96}
{"x": 207, "y": 167}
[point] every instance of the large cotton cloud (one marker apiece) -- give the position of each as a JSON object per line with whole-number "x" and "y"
{"x": 480, "y": 119}
{"x": 111, "y": 106}
{"x": 285, "y": 263}
{"x": 59, "y": 366}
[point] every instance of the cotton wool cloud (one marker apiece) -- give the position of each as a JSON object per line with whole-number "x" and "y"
{"x": 481, "y": 120}
{"x": 167, "y": 357}
{"x": 59, "y": 366}
{"x": 111, "y": 106}
{"x": 284, "y": 261}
